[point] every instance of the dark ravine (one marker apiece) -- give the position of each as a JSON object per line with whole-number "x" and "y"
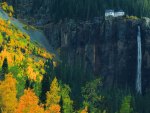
{"x": 107, "y": 48}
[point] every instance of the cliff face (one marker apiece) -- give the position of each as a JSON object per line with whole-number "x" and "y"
{"x": 108, "y": 48}
{"x": 146, "y": 52}
{"x": 105, "y": 47}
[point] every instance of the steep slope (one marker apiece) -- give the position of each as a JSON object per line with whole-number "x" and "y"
{"x": 34, "y": 34}
{"x": 25, "y": 57}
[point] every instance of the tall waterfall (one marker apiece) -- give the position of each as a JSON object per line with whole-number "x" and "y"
{"x": 139, "y": 63}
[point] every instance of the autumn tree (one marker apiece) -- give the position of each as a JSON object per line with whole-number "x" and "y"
{"x": 53, "y": 97}
{"x": 8, "y": 100}
{"x": 66, "y": 102}
{"x": 85, "y": 110}
{"x": 28, "y": 103}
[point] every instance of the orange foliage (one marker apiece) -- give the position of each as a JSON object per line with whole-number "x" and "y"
{"x": 53, "y": 109}
{"x": 28, "y": 103}
{"x": 85, "y": 110}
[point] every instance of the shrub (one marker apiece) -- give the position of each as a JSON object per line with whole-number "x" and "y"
{"x": 8, "y": 9}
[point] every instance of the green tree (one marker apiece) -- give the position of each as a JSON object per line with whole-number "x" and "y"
{"x": 67, "y": 103}
{"x": 92, "y": 96}
{"x": 53, "y": 97}
{"x": 126, "y": 105}
{"x": 17, "y": 72}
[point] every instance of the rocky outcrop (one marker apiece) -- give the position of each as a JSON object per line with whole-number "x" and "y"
{"x": 146, "y": 52}
{"x": 108, "y": 48}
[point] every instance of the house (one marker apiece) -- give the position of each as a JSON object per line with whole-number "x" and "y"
{"x": 109, "y": 13}
{"x": 112, "y": 13}
{"x": 119, "y": 13}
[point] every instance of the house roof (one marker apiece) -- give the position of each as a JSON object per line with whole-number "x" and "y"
{"x": 109, "y": 10}
{"x": 120, "y": 11}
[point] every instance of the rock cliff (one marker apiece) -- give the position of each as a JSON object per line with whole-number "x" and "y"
{"x": 107, "y": 48}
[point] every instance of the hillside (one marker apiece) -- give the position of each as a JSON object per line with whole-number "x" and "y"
{"x": 22, "y": 58}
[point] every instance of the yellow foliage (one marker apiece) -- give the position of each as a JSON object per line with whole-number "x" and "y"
{"x": 8, "y": 9}
{"x": 132, "y": 17}
{"x": 55, "y": 64}
{"x": 10, "y": 56}
{"x": 8, "y": 100}
{"x": 17, "y": 45}
{"x": 31, "y": 74}
{"x": 53, "y": 97}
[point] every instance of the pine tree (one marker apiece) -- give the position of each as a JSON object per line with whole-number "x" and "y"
{"x": 47, "y": 79}
{"x": 4, "y": 68}
{"x": 126, "y": 105}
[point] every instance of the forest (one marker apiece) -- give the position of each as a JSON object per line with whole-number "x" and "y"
{"x": 30, "y": 76}
{"x": 86, "y": 9}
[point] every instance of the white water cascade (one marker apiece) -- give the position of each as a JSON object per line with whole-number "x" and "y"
{"x": 139, "y": 63}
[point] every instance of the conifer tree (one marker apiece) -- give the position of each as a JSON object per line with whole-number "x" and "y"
{"x": 4, "y": 68}
{"x": 126, "y": 105}
{"x": 47, "y": 78}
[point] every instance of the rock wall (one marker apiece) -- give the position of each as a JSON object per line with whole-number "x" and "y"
{"x": 108, "y": 47}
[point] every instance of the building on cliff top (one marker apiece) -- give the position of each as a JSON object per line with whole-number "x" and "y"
{"x": 109, "y": 13}
{"x": 112, "y": 13}
{"x": 119, "y": 13}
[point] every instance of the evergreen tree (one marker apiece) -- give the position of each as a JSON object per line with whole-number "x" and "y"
{"x": 126, "y": 105}
{"x": 47, "y": 78}
{"x": 4, "y": 68}
{"x": 92, "y": 96}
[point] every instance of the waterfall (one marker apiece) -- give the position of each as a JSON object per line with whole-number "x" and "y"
{"x": 139, "y": 63}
